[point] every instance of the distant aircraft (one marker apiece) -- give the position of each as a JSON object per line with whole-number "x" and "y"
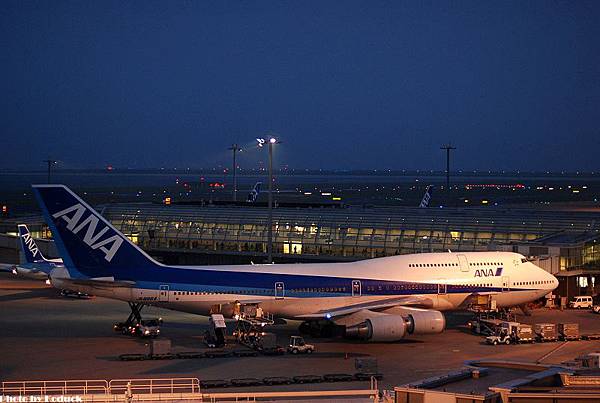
{"x": 36, "y": 266}
{"x": 426, "y": 197}
{"x": 253, "y": 195}
{"x": 382, "y": 299}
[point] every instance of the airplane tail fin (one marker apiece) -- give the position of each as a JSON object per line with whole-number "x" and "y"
{"x": 426, "y": 197}
{"x": 29, "y": 247}
{"x": 253, "y": 195}
{"x": 90, "y": 246}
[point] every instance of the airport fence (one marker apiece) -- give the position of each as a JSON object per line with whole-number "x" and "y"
{"x": 168, "y": 389}
{"x": 154, "y": 386}
{"x": 51, "y": 388}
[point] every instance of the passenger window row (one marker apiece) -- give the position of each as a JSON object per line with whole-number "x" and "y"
{"x": 533, "y": 282}
{"x": 472, "y": 285}
{"x": 453, "y": 264}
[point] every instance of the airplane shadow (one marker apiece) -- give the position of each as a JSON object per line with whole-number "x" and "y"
{"x": 48, "y": 293}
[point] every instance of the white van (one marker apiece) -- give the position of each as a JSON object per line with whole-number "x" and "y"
{"x": 581, "y": 302}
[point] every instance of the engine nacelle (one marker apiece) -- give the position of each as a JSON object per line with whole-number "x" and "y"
{"x": 393, "y": 327}
{"x": 425, "y": 322}
{"x": 379, "y": 328}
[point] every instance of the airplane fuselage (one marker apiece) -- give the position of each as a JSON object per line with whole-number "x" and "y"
{"x": 441, "y": 281}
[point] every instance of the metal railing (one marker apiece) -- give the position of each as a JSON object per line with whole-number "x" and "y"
{"x": 43, "y": 388}
{"x": 154, "y": 386}
{"x": 163, "y": 390}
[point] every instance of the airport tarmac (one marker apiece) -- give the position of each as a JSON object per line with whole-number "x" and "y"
{"x": 47, "y": 337}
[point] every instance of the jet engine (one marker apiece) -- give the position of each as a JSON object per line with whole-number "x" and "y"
{"x": 386, "y": 327}
{"x": 425, "y": 322}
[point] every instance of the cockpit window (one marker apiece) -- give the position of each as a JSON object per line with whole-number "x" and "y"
{"x": 523, "y": 260}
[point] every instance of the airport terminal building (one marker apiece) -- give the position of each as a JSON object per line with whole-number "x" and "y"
{"x": 566, "y": 243}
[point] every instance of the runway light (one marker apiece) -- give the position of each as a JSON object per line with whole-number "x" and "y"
{"x": 272, "y": 140}
{"x": 328, "y": 316}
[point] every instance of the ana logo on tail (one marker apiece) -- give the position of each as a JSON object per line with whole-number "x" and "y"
{"x": 75, "y": 224}
{"x": 30, "y": 243}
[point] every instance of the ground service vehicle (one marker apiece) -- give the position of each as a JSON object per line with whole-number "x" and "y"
{"x": 74, "y": 294}
{"x": 147, "y": 328}
{"x": 502, "y": 336}
{"x": 215, "y": 335}
{"x": 297, "y": 345}
{"x": 266, "y": 343}
{"x": 581, "y": 302}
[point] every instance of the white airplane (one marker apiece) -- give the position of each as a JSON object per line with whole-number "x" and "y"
{"x": 35, "y": 266}
{"x": 383, "y": 299}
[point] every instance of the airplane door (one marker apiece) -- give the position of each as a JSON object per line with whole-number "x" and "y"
{"x": 463, "y": 262}
{"x": 163, "y": 293}
{"x": 505, "y": 283}
{"x": 279, "y": 290}
{"x": 442, "y": 287}
{"x": 356, "y": 288}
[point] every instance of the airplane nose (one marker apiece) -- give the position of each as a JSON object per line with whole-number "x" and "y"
{"x": 553, "y": 281}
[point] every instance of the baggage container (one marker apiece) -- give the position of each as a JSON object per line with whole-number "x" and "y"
{"x": 523, "y": 333}
{"x": 545, "y": 332}
{"x": 568, "y": 331}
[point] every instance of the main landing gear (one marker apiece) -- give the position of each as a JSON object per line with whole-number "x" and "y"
{"x": 135, "y": 318}
{"x": 321, "y": 329}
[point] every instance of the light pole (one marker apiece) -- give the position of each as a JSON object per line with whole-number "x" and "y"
{"x": 261, "y": 143}
{"x": 235, "y": 149}
{"x": 50, "y": 163}
{"x": 448, "y": 147}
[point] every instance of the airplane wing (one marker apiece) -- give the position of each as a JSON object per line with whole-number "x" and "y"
{"x": 373, "y": 306}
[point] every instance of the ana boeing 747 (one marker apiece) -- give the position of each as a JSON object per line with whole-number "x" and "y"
{"x": 381, "y": 299}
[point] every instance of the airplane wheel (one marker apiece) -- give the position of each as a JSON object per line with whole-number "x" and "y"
{"x": 304, "y": 328}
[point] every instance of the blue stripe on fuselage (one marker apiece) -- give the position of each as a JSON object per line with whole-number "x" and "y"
{"x": 324, "y": 288}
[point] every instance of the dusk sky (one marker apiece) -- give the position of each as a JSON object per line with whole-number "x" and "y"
{"x": 346, "y": 84}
